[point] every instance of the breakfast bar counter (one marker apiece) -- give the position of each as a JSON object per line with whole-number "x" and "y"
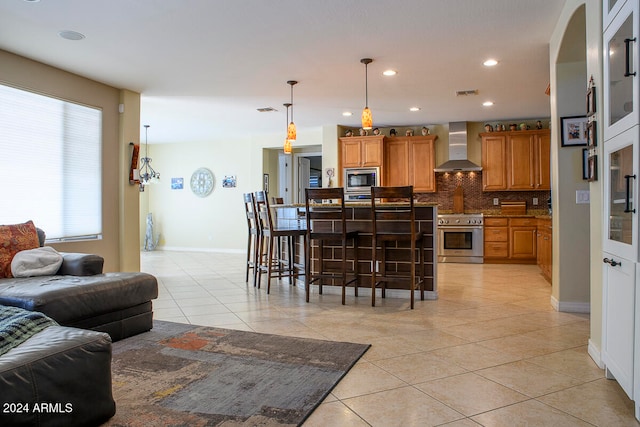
{"x": 359, "y": 218}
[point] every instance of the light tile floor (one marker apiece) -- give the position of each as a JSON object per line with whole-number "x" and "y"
{"x": 490, "y": 351}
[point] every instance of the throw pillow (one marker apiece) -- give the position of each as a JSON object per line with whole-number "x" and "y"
{"x": 13, "y": 239}
{"x": 44, "y": 261}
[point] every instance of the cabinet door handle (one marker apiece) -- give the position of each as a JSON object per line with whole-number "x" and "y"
{"x": 611, "y": 262}
{"x": 627, "y": 54}
{"x": 627, "y": 201}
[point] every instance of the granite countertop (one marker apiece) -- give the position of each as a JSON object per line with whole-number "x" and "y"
{"x": 537, "y": 213}
{"x": 354, "y": 204}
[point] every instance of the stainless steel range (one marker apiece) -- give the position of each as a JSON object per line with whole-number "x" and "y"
{"x": 460, "y": 238}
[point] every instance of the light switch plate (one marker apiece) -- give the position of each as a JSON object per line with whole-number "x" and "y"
{"x": 582, "y": 197}
{"x": 535, "y": 201}
{"x": 496, "y": 202}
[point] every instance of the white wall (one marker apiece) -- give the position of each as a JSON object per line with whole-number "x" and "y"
{"x": 593, "y": 17}
{"x": 216, "y": 222}
{"x": 571, "y": 271}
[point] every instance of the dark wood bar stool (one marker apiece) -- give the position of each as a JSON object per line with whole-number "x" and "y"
{"x": 272, "y": 237}
{"x": 393, "y": 223}
{"x": 253, "y": 237}
{"x": 326, "y": 223}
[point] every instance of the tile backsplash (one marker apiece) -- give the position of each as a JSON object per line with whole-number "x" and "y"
{"x": 476, "y": 200}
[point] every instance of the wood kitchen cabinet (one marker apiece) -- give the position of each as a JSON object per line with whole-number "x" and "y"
{"x": 410, "y": 161}
{"x": 496, "y": 239}
{"x": 544, "y": 247}
{"x": 494, "y": 161}
{"x": 522, "y": 239}
{"x": 517, "y": 160}
{"x": 520, "y": 158}
{"x": 510, "y": 240}
{"x": 362, "y": 151}
{"x": 543, "y": 161}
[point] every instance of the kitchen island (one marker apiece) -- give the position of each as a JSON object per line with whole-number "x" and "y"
{"x": 359, "y": 218}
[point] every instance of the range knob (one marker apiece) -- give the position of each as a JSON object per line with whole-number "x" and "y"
{"x": 457, "y": 221}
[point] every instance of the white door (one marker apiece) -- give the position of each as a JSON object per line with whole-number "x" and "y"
{"x": 304, "y": 176}
{"x": 284, "y": 178}
{"x": 618, "y": 326}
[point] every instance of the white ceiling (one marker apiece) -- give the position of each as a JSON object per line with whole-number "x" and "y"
{"x": 203, "y": 67}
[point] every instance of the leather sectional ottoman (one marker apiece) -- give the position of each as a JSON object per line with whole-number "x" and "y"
{"x": 116, "y": 303}
{"x": 59, "y": 377}
{"x": 79, "y": 296}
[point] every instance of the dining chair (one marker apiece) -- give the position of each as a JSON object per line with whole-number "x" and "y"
{"x": 326, "y": 224}
{"x": 253, "y": 237}
{"x": 394, "y": 229}
{"x": 273, "y": 236}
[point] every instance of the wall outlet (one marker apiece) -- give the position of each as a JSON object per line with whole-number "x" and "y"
{"x": 535, "y": 201}
{"x": 496, "y": 202}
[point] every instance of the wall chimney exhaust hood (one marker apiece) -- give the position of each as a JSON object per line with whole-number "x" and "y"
{"x": 458, "y": 161}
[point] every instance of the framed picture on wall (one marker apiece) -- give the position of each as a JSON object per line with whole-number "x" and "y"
{"x": 591, "y": 101}
{"x": 585, "y": 163}
{"x": 591, "y": 134}
{"x": 574, "y": 131}
{"x": 592, "y": 169}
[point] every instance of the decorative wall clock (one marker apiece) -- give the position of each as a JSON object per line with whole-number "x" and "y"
{"x": 202, "y": 182}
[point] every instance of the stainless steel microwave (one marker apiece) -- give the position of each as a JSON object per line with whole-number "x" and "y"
{"x": 360, "y": 180}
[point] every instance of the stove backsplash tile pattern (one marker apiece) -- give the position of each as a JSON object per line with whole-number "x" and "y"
{"x": 476, "y": 200}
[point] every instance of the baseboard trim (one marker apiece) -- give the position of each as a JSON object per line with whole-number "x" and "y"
{"x": 211, "y": 250}
{"x": 595, "y": 354}
{"x": 570, "y": 307}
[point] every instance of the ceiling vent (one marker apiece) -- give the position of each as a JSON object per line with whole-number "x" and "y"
{"x": 466, "y": 92}
{"x": 267, "y": 110}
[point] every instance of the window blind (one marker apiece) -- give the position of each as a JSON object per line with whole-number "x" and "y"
{"x": 50, "y": 164}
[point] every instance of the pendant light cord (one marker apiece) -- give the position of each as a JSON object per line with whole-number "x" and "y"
{"x": 366, "y": 85}
{"x": 291, "y": 103}
{"x": 146, "y": 141}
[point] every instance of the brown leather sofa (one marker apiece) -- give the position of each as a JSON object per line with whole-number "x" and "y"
{"x": 61, "y": 376}
{"x": 80, "y": 295}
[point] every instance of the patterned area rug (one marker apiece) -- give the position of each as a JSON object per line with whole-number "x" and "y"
{"x": 186, "y": 375}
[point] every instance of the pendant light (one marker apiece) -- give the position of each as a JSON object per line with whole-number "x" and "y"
{"x": 147, "y": 174}
{"x": 287, "y": 141}
{"x": 367, "y": 120}
{"x": 291, "y": 128}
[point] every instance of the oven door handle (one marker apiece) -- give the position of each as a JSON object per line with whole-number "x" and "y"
{"x": 460, "y": 227}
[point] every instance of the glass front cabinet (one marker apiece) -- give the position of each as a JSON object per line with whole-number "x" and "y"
{"x": 610, "y": 9}
{"x": 621, "y": 258}
{"x": 620, "y": 285}
{"x": 621, "y": 191}
{"x": 621, "y": 76}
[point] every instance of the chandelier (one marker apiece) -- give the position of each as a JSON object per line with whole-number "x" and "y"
{"x": 147, "y": 174}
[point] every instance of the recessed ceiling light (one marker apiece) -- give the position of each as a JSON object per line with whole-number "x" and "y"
{"x": 490, "y": 63}
{"x": 71, "y": 35}
{"x": 414, "y": 109}
{"x": 32, "y": 1}
{"x": 347, "y": 114}
{"x": 487, "y": 103}
{"x": 389, "y": 72}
